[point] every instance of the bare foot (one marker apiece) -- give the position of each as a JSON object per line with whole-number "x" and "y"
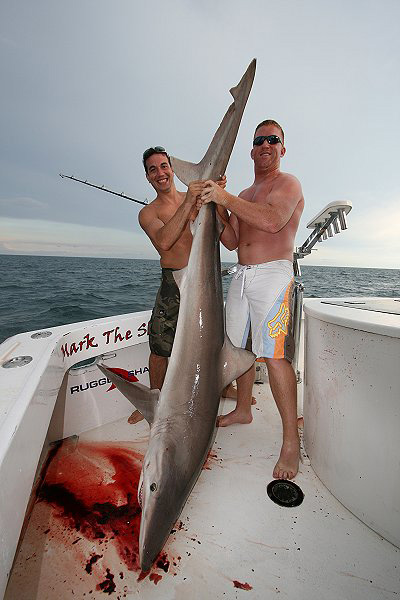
{"x": 135, "y": 417}
{"x": 231, "y": 392}
{"x": 288, "y": 462}
{"x": 236, "y": 416}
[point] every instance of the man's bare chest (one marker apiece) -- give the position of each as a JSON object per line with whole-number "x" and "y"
{"x": 258, "y": 194}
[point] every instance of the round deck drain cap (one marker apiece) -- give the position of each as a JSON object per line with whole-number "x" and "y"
{"x": 41, "y": 334}
{"x": 18, "y": 361}
{"x": 285, "y": 493}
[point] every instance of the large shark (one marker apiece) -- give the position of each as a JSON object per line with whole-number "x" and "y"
{"x": 182, "y": 417}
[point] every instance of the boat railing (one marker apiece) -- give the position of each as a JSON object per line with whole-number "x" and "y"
{"x": 327, "y": 223}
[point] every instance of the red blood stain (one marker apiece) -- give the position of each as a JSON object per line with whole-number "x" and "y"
{"x": 155, "y": 577}
{"x": 242, "y": 586}
{"x": 94, "y": 488}
{"x": 178, "y": 526}
{"x": 211, "y": 457}
{"x": 93, "y": 559}
{"x": 163, "y": 562}
{"x": 212, "y": 460}
{"x": 142, "y": 575}
{"x": 127, "y": 375}
{"x": 108, "y": 585}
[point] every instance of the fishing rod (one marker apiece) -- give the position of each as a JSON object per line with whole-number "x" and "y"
{"x": 102, "y": 188}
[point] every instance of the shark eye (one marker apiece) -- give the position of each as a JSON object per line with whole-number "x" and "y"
{"x": 153, "y": 487}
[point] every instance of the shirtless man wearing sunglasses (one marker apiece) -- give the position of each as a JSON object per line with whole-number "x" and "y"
{"x": 262, "y": 225}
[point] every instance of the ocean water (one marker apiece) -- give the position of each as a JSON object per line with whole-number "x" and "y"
{"x": 44, "y": 291}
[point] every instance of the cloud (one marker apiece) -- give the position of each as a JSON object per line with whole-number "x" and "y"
{"x": 94, "y": 116}
{"x": 29, "y": 236}
{"x": 32, "y": 236}
{"x": 380, "y": 224}
{"x": 371, "y": 239}
{"x": 24, "y": 207}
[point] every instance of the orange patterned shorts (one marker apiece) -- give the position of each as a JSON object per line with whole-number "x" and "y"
{"x": 261, "y": 296}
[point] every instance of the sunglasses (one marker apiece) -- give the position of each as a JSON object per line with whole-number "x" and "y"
{"x": 150, "y": 151}
{"x": 271, "y": 139}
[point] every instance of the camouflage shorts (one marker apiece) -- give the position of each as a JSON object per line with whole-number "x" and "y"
{"x": 164, "y": 317}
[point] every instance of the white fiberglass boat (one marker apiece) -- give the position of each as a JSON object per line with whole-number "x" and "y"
{"x": 70, "y": 462}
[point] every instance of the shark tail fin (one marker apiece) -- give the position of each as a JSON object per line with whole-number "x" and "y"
{"x": 235, "y": 361}
{"x": 142, "y": 397}
{"x": 249, "y": 74}
{"x": 186, "y": 171}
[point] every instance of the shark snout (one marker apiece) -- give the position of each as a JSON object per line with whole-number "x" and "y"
{"x": 154, "y": 532}
{"x": 163, "y": 498}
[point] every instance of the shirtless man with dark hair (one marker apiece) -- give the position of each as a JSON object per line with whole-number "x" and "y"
{"x": 166, "y": 221}
{"x": 262, "y": 225}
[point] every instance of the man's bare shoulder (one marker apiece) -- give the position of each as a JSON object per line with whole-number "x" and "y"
{"x": 150, "y": 211}
{"x": 288, "y": 180}
{"x": 159, "y": 208}
{"x": 286, "y": 186}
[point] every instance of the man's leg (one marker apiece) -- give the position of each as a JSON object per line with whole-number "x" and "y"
{"x": 242, "y": 412}
{"x": 237, "y": 328}
{"x": 231, "y": 392}
{"x": 157, "y": 369}
{"x": 283, "y": 384}
{"x": 162, "y": 327}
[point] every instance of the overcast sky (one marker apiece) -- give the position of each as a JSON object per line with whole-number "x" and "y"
{"x": 87, "y": 85}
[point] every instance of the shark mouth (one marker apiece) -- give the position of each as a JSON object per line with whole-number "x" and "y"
{"x": 140, "y": 490}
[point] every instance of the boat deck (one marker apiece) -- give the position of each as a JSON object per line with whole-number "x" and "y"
{"x": 231, "y": 540}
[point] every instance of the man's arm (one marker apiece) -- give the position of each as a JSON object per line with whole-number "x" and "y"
{"x": 164, "y": 235}
{"x": 230, "y": 234}
{"x": 270, "y": 216}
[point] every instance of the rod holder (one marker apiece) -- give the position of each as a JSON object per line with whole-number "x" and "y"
{"x": 342, "y": 218}
{"x": 296, "y": 268}
{"x": 336, "y": 227}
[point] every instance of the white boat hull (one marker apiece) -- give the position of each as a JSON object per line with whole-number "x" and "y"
{"x": 233, "y": 538}
{"x": 352, "y": 409}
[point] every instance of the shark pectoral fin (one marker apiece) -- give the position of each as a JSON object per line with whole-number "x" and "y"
{"x": 142, "y": 397}
{"x": 235, "y": 361}
{"x": 180, "y": 277}
{"x": 186, "y": 171}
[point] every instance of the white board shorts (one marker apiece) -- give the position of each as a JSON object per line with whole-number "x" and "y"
{"x": 261, "y": 296}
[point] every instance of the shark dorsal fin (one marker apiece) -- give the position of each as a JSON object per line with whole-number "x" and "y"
{"x": 186, "y": 171}
{"x": 142, "y": 397}
{"x": 235, "y": 361}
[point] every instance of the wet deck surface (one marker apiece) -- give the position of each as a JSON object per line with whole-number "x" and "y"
{"x": 230, "y": 542}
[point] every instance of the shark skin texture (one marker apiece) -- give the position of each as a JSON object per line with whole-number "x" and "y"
{"x": 182, "y": 417}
